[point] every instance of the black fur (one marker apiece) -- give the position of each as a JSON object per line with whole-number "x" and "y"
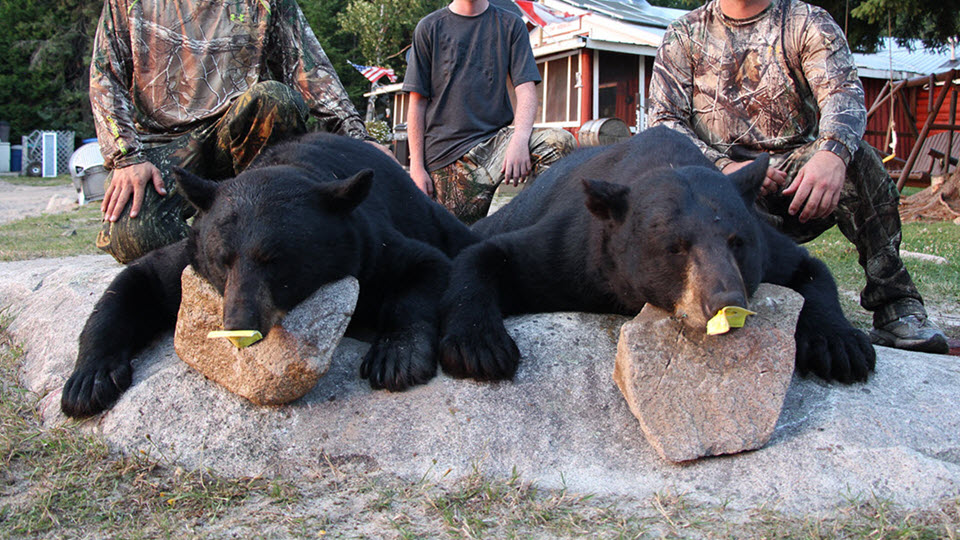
{"x": 610, "y": 229}
{"x": 304, "y": 214}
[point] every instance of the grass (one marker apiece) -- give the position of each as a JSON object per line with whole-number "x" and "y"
{"x": 51, "y": 235}
{"x": 62, "y": 180}
{"x": 939, "y": 284}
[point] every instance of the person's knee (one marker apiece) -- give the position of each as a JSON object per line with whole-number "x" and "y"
{"x": 552, "y": 144}
{"x": 275, "y": 94}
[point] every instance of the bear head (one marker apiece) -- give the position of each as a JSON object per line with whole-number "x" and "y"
{"x": 684, "y": 239}
{"x": 267, "y": 239}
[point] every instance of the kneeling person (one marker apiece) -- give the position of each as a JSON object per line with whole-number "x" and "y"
{"x": 160, "y": 103}
{"x": 790, "y": 88}
{"x": 462, "y": 143}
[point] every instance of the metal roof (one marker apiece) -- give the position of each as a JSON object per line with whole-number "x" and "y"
{"x": 634, "y": 11}
{"x": 906, "y": 63}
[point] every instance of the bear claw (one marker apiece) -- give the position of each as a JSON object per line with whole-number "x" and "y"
{"x": 843, "y": 355}
{"x": 396, "y": 362}
{"x": 90, "y": 391}
{"x": 489, "y": 356}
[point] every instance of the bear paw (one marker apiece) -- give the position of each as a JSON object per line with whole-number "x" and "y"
{"x": 92, "y": 390}
{"x": 841, "y": 353}
{"x": 400, "y": 360}
{"x": 485, "y": 353}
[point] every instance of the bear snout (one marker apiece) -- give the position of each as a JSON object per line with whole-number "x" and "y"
{"x": 247, "y": 303}
{"x": 712, "y": 281}
{"x": 721, "y": 299}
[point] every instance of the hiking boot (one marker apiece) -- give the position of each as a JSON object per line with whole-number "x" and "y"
{"x": 911, "y": 333}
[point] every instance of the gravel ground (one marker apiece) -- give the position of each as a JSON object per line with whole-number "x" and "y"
{"x": 17, "y": 202}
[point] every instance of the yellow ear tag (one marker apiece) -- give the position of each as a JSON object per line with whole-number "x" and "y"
{"x": 728, "y": 317}
{"x": 239, "y": 338}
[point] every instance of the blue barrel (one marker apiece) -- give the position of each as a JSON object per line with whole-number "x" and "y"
{"x": 16, "y": 157}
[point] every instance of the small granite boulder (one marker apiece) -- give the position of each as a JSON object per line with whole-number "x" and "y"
{"x": 283, "y": 366}
{"x": 699, "y": 395}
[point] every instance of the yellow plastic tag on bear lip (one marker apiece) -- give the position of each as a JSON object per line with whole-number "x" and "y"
{"x": 239, "y": 338}
{"x": 728, "y": 317}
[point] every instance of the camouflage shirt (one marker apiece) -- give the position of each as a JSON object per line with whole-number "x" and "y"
{"x": 774, "y": 82}
{"x": 167, "y": 66}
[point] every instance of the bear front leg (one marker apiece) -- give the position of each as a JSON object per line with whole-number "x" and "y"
{"x": 827, "y": 344}
{"x": 404, "y": 353}
{"x": 475, "y": 343}
{"x": 140, "y": 303}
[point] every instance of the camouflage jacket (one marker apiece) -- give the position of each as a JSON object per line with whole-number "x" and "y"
{"x": 777, "y": 81}
{"x": 168, "y": 66}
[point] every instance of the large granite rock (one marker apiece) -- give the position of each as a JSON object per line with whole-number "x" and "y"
{"x": 284, "y": 365}
{"x": 697, "y": 395}
{"x": 561, "y": 423}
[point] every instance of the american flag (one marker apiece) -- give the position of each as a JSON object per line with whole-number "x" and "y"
{"x": 373, "y": 73}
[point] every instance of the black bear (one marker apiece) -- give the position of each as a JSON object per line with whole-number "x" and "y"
{"x": 306, "y": 213}
{"x": 609, "y": 229}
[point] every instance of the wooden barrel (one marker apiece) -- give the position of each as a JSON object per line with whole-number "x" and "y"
{"x": 600, "y": 131}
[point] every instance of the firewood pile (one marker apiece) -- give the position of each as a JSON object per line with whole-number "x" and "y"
{"x": 939, "y": 202}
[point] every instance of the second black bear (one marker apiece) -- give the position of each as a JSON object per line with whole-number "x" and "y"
{"x": 306, "y": 213}
{"x": 648, "y": 220}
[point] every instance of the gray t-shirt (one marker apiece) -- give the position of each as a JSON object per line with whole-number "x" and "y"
{"x": 461, "y": 64}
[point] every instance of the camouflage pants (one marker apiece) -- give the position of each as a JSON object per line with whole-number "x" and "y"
{"x": 466, "y": 186}
{"x": 264, "y": 115}
{"x": 867, "y": 215}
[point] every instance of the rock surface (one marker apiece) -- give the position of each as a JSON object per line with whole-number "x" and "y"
{"x": 285, "y": 364}
{"x": 697, "y": 395}
{"x": 561, "y": 423}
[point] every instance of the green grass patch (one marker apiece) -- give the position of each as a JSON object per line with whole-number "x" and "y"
{"x": 51, "y": 235}
{"x": 62, "y": 180}
{"x": 939, "y": 284}
{"x": 68, "y": 483}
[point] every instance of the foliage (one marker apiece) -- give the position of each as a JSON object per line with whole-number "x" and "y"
{"x": 382, "y": 30}
{"x": 339, "y": 46}
{"x": 932, "y": 21}
{"x": 383, "y": 27}
{"x": 379, "y": 130}
{"x": 45, "y": 50}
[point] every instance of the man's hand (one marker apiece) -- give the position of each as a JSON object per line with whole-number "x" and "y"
{"x": 516, "y": 162}
{"x": 386, "y": 150}
{"x": 422, "y": 179}
{"x": 129, "y": 182}
{"x": 817, "y": 186}
{"x": 773, "y": 181}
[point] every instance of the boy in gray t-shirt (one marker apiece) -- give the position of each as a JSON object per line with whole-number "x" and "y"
{"x": 462, "y": 143}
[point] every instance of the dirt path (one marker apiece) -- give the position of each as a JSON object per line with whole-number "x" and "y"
{"x": 17, "y": 202}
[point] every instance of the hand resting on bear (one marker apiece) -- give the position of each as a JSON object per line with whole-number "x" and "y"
{"x": 610, "y": 229}
{"x": 306, "y": 213}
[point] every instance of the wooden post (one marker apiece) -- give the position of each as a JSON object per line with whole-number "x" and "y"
{"x": 586, "y": 85}
{"x": 947, "y": 87}
{"x": 953, "y": 122}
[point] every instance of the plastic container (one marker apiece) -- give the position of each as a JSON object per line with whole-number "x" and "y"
{"x": 16, "y": 157}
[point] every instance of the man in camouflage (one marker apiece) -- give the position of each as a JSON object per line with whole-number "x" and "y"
{"x": 747, "y": 76}
{"x": 204, "y": 86}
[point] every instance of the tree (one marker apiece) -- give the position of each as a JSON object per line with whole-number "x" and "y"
{"x": 45, "y": 53}
{"x": 932, "y": 21}
{"x": 339, "y": 46}
{"x": 384, "y": 28}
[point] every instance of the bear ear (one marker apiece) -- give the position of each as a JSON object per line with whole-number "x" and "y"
{"x": 606, "y": 200}
{"x": 749, "y": 179}
{"x": 199, "y": 192}
{"x": 344, "y": 196}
